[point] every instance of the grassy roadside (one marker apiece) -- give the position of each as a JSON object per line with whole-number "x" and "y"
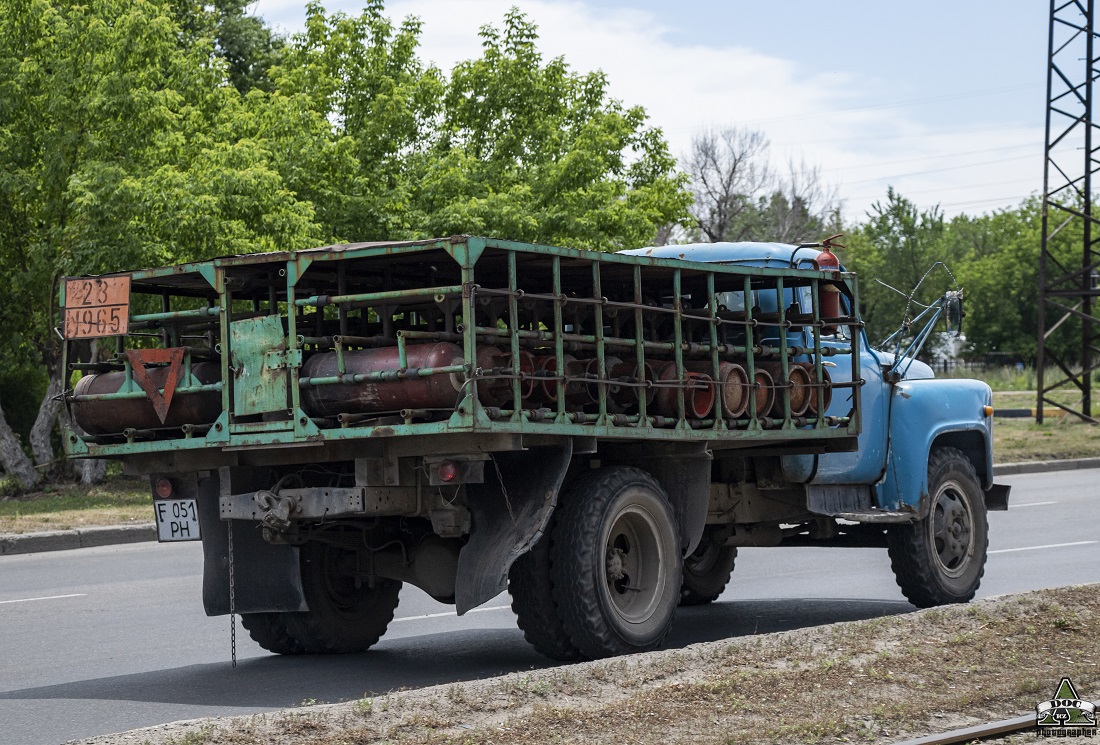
{"x": 117, "y": 501}
{"x": 880, "y": 680}
{"x": 1021, "y": 440}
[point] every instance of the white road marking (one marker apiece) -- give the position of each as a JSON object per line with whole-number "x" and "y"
{"x": 1036, "y": 548}
{"x": 450, "y": 613}
{"x": 1033, "y": 504}
{"x": 48, "y": 597}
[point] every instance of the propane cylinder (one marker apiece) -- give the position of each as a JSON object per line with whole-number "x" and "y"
{"x": 592, "y": 384}
{"x": 526, "y": 367}
{"x": 829, "y": 296}
{"x": 733, "y": 386}
{"x": 765, "y": 391}
{"x": 492, "y": 390}
{"x": 798, "y": 382}
{"x": 817, "y": 395}
{"x": 431, "y": 392}
{"x": 116, "y": 415}
{"x": 698, "y": 392}
{"x": 630, "y": 395}
{"x": 576, "y": 393}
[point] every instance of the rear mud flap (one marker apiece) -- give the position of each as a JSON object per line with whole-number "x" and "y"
{"x": 508, "y": 514}
{"x": 266, "y": 577}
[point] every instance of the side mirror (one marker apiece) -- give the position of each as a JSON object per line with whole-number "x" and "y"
{"x": 953, "y": 311}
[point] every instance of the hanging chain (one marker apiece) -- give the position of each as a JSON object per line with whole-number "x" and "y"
{"x": 232, "y": 601}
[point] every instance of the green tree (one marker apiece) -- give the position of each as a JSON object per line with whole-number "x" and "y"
{"x": 149, "y": 132}
{"x": 247, "y": 48}
{"x": 119, "y": 147}
{"x": 892, "y": 252}
{"x": 534, "y": 151}
{"x": 352, "y": 105}
{"x": 1001, "y": 281}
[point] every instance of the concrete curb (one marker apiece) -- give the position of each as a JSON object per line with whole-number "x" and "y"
{"x": 61, "y": 540}
{"x": 1043, "y": 466}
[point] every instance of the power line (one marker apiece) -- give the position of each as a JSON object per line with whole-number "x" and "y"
{"x": 930, "y": 157}
{"x": 937, "y": 170}
{"x": 896, "y": 104}
{"x": 893, "y": 136}
{"x": 986, "y": 201}
{"x": 953, "y": 188}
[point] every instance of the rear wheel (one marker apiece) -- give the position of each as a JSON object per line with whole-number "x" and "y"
{"x": 707, "y": 571}
{"x": 345, "y": 614}
{"x": 615, "y": 562}
{"x": 269, "y": 630}
{"x": 533, "y": 603}
{"x": 941, "y": 559}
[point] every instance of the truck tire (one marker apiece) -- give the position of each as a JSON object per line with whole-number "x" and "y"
{"x": 707, "y": 571}
{"x": 615, "y": 562}
{"x": 342, "y": 618}
{"x": 269, "y": 630}
{"x": 533, "y": 603}
{"x": 940, "y": 560}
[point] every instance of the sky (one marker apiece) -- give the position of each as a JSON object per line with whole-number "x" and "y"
{"x": 942, "y": 99}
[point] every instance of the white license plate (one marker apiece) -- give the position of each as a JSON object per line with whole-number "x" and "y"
{"x": 177, "y": 520}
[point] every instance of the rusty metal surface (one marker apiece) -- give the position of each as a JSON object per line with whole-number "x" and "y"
{"x": 433, "y": 392}
{"x": 258, "y": 364}
{"x": 104, "y": 416}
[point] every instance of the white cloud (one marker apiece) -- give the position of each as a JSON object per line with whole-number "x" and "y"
{"x": 826, "y": 118}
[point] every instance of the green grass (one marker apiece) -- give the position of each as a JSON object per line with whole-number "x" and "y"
{"x": 1020, "y": 440}
{"x": 1011, "y": 379}
{"x": 118, "y": 500}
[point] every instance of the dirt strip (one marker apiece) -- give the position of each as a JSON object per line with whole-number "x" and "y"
{"x": 880, "y": 680}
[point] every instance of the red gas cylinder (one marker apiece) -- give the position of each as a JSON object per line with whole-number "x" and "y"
{"x": 431, "y": 392}
{"x": 798, "y": 383}
{"x": 98, "y": 417}
{"x": 818, "y": 395}
{"x": 733, "y": 386}
{"x": 698, "y": 388}
{"x": 830, "y": 296}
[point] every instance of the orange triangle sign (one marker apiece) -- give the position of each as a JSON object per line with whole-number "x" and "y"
{"x": 139, "y": 358}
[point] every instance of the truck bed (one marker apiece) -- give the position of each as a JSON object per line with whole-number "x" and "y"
{"x": 300, "y": 356}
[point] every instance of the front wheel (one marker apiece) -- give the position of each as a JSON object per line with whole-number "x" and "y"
{"x": 615, "y": 562}
{"x": 940, "y": 560}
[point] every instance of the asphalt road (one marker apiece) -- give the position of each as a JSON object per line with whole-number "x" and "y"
{"x": 107, "y": 639}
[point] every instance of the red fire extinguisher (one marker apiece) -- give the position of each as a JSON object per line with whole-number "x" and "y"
{"x": 829, "y": 299}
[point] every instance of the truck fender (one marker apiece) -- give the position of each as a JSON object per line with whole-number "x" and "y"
{"x": 926, "y": 414}
{"x": 683, "y": 470}
{"x": 509, "y": 512}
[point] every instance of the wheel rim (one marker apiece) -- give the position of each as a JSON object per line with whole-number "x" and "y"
{"x": 952, "y": 527}
{"x": 633, "y": 565}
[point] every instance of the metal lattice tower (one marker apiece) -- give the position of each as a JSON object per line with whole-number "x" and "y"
{"x": 1068, "y": 267}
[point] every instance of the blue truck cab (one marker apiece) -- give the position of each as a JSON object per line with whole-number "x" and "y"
{"x": 920, "y": 481}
